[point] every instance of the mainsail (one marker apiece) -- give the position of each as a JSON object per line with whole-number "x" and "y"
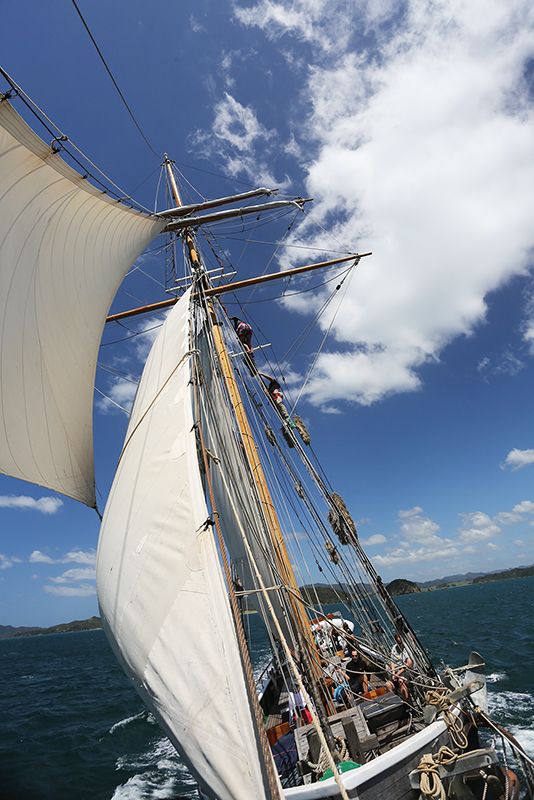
{"x": 65, "y": 248}
{"x": 163, "y": 600}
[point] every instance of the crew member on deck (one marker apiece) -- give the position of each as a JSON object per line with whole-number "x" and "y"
{"x": 401, "y": 661}
{"x": 356, "y": 672}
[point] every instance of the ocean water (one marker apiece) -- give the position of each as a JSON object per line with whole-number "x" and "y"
{"x": 74, "y": 729}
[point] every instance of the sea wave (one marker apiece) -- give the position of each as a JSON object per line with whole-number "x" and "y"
{"x": 146, "y": 786}
{"x": 160, "y": 774}
{"x": 127, "y": 720}
{"x": 496, "y": 677}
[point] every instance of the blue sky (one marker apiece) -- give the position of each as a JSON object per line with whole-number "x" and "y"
{"x": 411, "y": 124}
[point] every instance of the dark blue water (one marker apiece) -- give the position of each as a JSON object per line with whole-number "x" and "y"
{"x": 73, "y": 728}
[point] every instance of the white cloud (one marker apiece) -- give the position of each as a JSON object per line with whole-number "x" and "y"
{"x": 518, "y": 458}
{"x": 411, "y": 512}
{"x": 46, "y": 505}
{"x": 76, "y": 555}
{"x": 525, "y": 507}
{"x": 80, "y": 557}
{"x": 378, "y": 538}
{"x": 420, "y": 542}
{"x": 76, "y": 574}
{"x": 121, "y": 387}
{"x": 37, "y": 557}
{"x": 306, "y": 19}
{"x": 478, "y": 527}
{"x": 120, "y": 392}
{"x": 241, "y": 141}
{"x": 70, "y": 591}
{"x": 424, "y": 155}
{"x": 5, "y": 563}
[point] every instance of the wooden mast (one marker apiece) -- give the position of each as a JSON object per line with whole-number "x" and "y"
{"x": 273, "y": 527}
{"x": 271, "y": 772}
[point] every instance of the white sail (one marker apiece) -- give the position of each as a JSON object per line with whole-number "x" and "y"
{"x": 162, "y": 596}
{"x": 64, "y": 249}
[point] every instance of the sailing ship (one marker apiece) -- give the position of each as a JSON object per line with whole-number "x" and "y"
{"x": 217, "y": 501}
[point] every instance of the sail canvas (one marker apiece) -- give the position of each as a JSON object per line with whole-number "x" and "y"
{"x": 161, "y": 592}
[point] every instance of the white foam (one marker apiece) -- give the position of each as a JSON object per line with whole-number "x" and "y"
{"x": 126, "y": 721}
{"x": 511, "y": 702}
{"x": 495, "y": 677}
{"x": 160, "y": 751}
{"x": 160, "y": 774}
{"x": 145, "y": 787}
{"x": 525, "y": 737}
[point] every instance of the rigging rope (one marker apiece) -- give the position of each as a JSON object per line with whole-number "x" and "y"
{"x": 113, "y": 79}
{"x": 338, "y": 287}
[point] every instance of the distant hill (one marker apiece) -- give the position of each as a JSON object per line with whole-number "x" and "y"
{"x": 323, "y": 594}
{"x": 509, "y": 574}
{"x": 402, "y": 586}
{"x": 8, "y": 631}
{"x": 467, "y": 576}
{"x": 66, "y": 627}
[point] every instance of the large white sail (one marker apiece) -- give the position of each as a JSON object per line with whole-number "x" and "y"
{"x": 162, "y": 596}
{"x": 65, "y": 247}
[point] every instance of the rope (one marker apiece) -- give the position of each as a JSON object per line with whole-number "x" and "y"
{"x": 113, "y": 79}
{"x": 349, "y": 274}
{"x": 324, "y": 763}
{"x": 454, "y": 722}
{"x": 430, "y": 781}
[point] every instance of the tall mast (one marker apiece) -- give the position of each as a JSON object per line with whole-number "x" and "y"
{"x": 271, "y": 773}
{"x": 303, "y": 632}
{"x": 188, "y": 236}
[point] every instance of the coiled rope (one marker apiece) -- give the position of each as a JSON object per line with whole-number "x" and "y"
{"x": 454, "y": 722}
{"x": 430, "y": 784}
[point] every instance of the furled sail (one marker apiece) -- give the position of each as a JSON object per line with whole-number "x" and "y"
{"x": 65, "y": 248}
{"x": 238, "y": 507}
{"x": 163, "y": 600}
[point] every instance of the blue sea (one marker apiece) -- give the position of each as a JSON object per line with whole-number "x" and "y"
{"x": 74, "y": 729}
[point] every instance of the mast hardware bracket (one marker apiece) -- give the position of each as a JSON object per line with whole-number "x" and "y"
{"x": 474, "y": 760}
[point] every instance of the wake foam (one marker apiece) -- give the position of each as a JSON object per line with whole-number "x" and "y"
{"x": 160, "y": 774}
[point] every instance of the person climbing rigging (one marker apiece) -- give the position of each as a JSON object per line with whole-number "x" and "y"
{"x": 275, "y": 393}
{"x": 244, "y": 334}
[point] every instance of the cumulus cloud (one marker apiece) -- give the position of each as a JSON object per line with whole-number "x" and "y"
{"x": 239, "y": 139}
{"x": 378, "y": 538}
{"x": 5, "y": 563}
{"x": 76, "y": 555}
{"x": 46, "y": 505}
{"x": 478, "y": 527}
{"x": 424, "y": 155}
{"x": 518, "y": 458}
{"x": 525, "y": 507}
{"x": 76, "y": 574}
{"x": 419, "y": 539}
{"x": 71, "y": 591}
{"x": 38, "y": 557}
{"x": 411, "y": 512}
{"x": 80, "y": 556}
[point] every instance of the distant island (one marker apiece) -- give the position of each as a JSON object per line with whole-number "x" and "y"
{"x": 402, "y": 586}
{"x": 509, "y": 574}
{"x": 320, "y": 593}
{"x": 9, "y": 632}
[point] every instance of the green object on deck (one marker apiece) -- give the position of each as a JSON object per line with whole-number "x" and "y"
{"x": 345, "y": 766}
